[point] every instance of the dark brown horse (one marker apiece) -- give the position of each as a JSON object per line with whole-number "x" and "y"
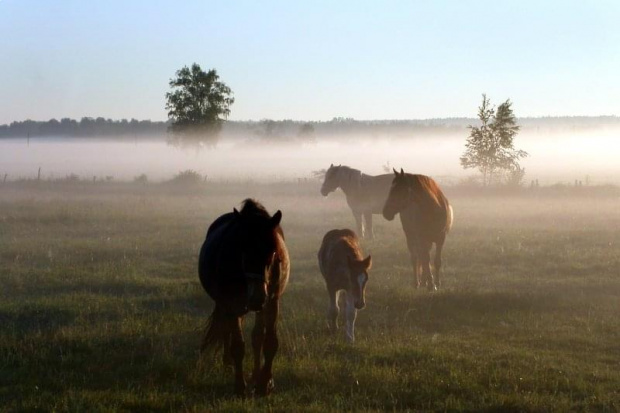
{"x": 426, "y": 217}
{"x": 244, "y": 266}
{"x": 345, "y": 271}
{"x": 366, "y": 194}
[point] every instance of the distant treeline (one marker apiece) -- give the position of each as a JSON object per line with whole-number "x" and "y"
{"x": 84, "y": 127}
{"x": 289, "y": 130}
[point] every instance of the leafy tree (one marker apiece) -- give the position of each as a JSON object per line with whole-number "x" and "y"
{"x": 490, "y": 146}
{"x": 197, "y": 104}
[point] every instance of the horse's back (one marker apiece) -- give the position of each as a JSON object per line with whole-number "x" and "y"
{"x": 336, "y": 245}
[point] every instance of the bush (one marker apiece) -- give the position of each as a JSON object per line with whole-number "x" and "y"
{"x": 187, "y": 177}
{"x": 141, "y": 179}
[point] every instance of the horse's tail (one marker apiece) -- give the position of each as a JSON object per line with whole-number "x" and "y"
{"x": 216, "y": 333}
{"x": 449, "y": 218}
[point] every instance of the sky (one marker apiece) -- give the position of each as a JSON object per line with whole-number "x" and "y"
{"x": 311, "y": 60}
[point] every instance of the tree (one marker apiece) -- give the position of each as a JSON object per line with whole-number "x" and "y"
{"x": 490, "y": 146}
{"x": 197, "y": 105}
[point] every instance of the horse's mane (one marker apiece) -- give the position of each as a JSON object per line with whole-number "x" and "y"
{"x": 251, "y": 207}
{"x": 423, "y": 184}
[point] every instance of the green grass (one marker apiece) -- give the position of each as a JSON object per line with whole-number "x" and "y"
{"x": 101, "y": 309}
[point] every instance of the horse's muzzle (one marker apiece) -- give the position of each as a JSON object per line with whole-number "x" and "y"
{"x": 257, "y": 295}
{"x": 388, "y": 215}
{"x": 359, "y": 305}
{"x": 324, "y": 191}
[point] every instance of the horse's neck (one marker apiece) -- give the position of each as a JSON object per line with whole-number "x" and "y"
{"x": 350, "y": 183}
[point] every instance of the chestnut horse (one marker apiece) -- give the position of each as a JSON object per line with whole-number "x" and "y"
{"x": 365, "y": 194}
{"x": 244, "y": 266}
{"x": 346, "y": 272}
{"x": 426, "y": 217}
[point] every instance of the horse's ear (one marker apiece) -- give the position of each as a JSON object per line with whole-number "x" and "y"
{"x": 395, "y": 171}
{"x": 402, "y": 172}
{"x": 331, "y": 166}
{"x": 237, "y": 214}
{"x": 276, "y": 218}
{"x": 367, "y": 263}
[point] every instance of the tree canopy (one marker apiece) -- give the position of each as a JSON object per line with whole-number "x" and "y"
{"x": 490, "y": 146}
{"x": 197, "y": 105}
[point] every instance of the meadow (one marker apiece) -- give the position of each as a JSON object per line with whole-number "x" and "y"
{"x": 101, "y": 309}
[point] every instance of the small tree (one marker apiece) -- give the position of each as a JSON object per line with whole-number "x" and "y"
{"x": 197, "y": 105}
{"x": 490, "y": 146}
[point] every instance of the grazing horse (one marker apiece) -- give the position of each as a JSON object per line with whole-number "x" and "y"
{"x": 346, "y": 272}
{"x": 426, "y": 217}
{"x": 244, "y": 266}
{"x": 365, "y": 194}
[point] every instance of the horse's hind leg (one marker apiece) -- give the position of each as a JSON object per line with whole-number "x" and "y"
{"x": 359, "y": 223}
{"x": 264, "y": 384}
{"x": 438, "y": 249}
{"x": 258, "y": 338}
{"x": 237, "y": 350}
{"x": 227, "y": 357}
{"x": 370, "y": 234}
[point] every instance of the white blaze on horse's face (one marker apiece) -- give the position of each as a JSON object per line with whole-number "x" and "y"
{"x": 360, "y": 299}
{"x": 359, "y": 279}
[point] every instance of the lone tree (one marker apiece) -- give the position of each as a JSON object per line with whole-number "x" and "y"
{"x": 490, "y": 146}
{"x": 197, "y": 105}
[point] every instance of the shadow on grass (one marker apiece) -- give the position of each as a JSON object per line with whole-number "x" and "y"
{"x": 35, "y": 319}
{"x": 108, "y": 289}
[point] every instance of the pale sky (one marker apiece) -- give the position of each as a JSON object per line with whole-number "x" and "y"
{"x": 311, "y": 60}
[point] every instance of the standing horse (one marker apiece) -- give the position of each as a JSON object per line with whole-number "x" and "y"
{"x": 244, "y": 266}
{"x": 365, "y": 194}
{"x": 345, "y": 271}
{"x": 426, "y": 217}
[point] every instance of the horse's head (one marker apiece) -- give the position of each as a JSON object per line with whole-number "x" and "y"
{"x": 398, "y": 196}
{"x": 331, "y": 181}
{"x": 358, "y": 277}
{"x": 258, "y": 250}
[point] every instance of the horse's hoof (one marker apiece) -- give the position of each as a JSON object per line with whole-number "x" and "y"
{"x": 265, "y": 388}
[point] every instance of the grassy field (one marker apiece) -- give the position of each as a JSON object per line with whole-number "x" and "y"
{"x": 101, "y": 308}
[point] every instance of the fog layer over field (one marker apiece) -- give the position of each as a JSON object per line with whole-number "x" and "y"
{"x": 558, "y": 157}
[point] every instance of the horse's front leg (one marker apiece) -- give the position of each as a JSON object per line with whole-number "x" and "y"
{"x": 424, "y": 254}
{"x": 258, "y": 338}
{"x": 237, "y": 351}
{"x": 265, "y": 384}
{"x": 350, "y": 316}
{"x": 332, "y": 310}
{"x": 415, "y": 262}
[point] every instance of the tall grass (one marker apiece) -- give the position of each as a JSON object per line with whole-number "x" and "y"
{"x": 101, "y": 309}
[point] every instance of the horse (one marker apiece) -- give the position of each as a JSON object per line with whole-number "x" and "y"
{"x": 365, "y": 194}
{"x": 244, "y": 266}
{"x": 426, "y": 217}
{"x": 344, "y": 271}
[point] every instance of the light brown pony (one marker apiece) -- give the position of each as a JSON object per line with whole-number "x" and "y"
{"x": 345, "y": 272}
{"x": 366, "y": 194}
{"x": 426, "y": 217}
{"x": 244, "y": 266}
